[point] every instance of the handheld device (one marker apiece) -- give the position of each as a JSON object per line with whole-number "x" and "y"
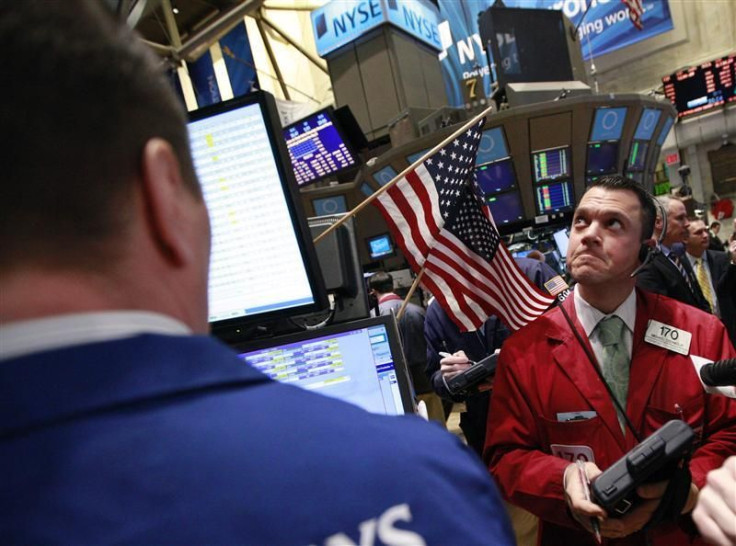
{"x": 655, "y": 459}
{"x": 469, "y": 378}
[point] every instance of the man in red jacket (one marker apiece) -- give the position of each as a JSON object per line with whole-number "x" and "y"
{"x": 550, "y": 405}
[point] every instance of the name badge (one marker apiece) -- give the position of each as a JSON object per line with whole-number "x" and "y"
{"x": 572, "y": 453}
{"x": 668, "y": 337}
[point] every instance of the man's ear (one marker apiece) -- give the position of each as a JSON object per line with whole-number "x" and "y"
{"x": 164, "y": 195}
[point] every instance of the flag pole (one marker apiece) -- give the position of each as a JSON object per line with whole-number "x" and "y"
{"x": 401, "y": 175}
{"x": 410, "y": 293}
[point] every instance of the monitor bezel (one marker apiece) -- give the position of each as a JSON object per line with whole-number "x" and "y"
{"x": 234, "y": 328}
{"x": 389, "y": 321}
{"x": 329, "y": 111}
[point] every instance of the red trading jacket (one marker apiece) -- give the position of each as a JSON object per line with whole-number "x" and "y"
{"x": 543, "y": 371}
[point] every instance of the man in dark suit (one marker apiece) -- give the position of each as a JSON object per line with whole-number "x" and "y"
{"x": 121, "y": 420}
{"x": 711, "y": 269}
{"x": 669, "y": 272}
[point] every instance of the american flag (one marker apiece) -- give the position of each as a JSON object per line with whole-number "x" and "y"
{"x": 636, "y": 10}
{"x": 442, "y": 225}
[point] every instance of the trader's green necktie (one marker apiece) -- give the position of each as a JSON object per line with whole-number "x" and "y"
{"x": 615, "y": 365}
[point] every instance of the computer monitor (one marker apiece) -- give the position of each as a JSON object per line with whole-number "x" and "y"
{"x": 339, "y": 261}
{"x": 551, "y": 164}
{"x": 506, "y": 207}
{"x": 647, "y": 123}
{"x": 359, "y": 362}
{"x": 602, "y": 158}
{"x": 334, "y": 204}
{"x": 665, "y": 130}
{"x": 492, "y": 146}
{"x": 562, "y": 239}
{"x": 608, "y": 124}
{"x": 380, "y": 246}
{"x": 263, "y": 264}
{"x": 318, "y": 148}
{"x": 496, "y": 177}
{"x": 385, "y": 175}
{"x": 637, "y": 155}
{"x": 556, "y": 197}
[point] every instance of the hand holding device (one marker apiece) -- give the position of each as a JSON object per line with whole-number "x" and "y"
{"x": 453, "y": 364}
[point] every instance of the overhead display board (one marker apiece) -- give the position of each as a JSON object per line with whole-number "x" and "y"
{"x": 703, "y": 87}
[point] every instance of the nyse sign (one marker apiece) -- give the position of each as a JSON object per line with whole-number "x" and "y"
{"x": 340, "y": 22}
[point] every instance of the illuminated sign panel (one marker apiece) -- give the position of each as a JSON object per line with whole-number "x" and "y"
{"x": 340, "y": 22}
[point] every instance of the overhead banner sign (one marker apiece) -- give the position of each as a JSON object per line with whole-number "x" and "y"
{"x": 605, "y": 27}
{"x": 340, "y": 22}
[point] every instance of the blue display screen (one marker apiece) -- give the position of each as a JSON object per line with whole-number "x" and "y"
{"x": 551, "y": 164}
{"x": 496, "y": 177}
{"x": 602, "y": 158}
{"x": 506, "y": 207}
{"x": 665, "y": 131}
{"x": 647, "y": 123}
{"x": 380, "y": 246}
{"x": 608, "y": 124}
{"x": 554, "y": 197}
{"x": 492, "y": 146}
{"x": 637, "y": 156}
{"x": 330, "y": 205}
{"x": 385, "y": 175}
{"x": 366, "y": 189}
{"x": 317, "y": 149}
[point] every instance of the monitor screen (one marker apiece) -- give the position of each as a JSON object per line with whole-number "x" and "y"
{"x": 556, "y": 197}
{"x": 359, "y": 362}
{"x": 505, "y": 207}
{"x": 551, "y": 164}
{"x": 637, "y": 156}
{"x": 411, "y": 158}
{"x": 496, "y": 177}
{"x": 366, "y": 189}
{"x": 263, "y": 262}
{"x": 492, "y": 146}
{"x": 647, "y": 123}
{"x": 608, "y": 124}
{"x": 562, "y": 239}
{"x": 665, "y": 131}
{"x": 334, "y": 204}
{"x": 385, "y": 175}
{"x": 602, "y": 158}
{"x": 521, "y": 253}
{"x": 380, "y": 246}
{"x": 318, "y": 148}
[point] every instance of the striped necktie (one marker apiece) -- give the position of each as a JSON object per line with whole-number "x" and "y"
{"x": 675, "y": 259}
{"x": 703, "y": 281}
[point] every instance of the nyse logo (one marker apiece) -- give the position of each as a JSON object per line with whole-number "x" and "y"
{"x": 382, "y": 528}
{"x": 356, "y": 17}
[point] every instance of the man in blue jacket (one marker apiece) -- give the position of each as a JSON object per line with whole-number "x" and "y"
{"x": 120, "y": 420}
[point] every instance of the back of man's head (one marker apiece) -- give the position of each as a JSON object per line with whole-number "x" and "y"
{"x": 85, "y": 97}
{"x": 381, "y": 282}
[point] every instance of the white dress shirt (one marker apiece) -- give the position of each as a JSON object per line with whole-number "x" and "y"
{"x": 589, "y": 317}
{"x": 30, "y": 336}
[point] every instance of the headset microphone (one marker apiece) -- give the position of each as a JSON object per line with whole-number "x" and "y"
{"x": 646, "y": 252}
